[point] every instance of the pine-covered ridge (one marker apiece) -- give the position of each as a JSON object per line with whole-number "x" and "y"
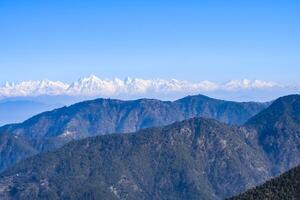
{"x": 193, "y": 159}
{"x": 284, "y": 187}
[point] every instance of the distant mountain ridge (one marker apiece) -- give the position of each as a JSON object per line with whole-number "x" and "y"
{"x": 52, "y": 129}
{"x": 197, "y": 158}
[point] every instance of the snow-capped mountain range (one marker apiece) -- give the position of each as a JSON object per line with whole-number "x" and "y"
{"x": 93, "y": 86}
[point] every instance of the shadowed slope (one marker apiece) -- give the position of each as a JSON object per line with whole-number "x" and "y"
{"x": 194, "y": 159}
{"x": 284, "y": 187}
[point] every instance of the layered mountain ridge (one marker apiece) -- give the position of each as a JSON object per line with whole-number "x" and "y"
{"x": 197, "y": 158}
{"x": 50, "y": 130}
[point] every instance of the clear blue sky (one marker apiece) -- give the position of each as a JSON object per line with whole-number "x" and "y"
{"x": 215, "y": 40}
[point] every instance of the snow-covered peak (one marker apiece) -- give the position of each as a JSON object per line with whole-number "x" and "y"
{"x": 95, "y": 86}
{"x": 248, "y": 84}
{"x": 33, "y": 88}
{"x": 90, "y": 79}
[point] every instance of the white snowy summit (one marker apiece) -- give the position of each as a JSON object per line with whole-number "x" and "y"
{"x": 130, "y": 87}
{"x": 33, "y": 88}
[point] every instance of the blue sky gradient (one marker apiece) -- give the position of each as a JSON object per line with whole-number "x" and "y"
{"x": 213, "y": 40}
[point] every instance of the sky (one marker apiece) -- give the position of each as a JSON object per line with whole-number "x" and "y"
{"x": 189, "y": 40}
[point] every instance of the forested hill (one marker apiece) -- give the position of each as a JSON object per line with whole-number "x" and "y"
{"x": 285, "y": 187}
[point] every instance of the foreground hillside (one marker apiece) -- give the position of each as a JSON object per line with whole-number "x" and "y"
{"x": 285, "y": 187}
{"x": 278, "y": 129}
{"x": 53, "y": 129}
{"x": 194, "y": 159}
